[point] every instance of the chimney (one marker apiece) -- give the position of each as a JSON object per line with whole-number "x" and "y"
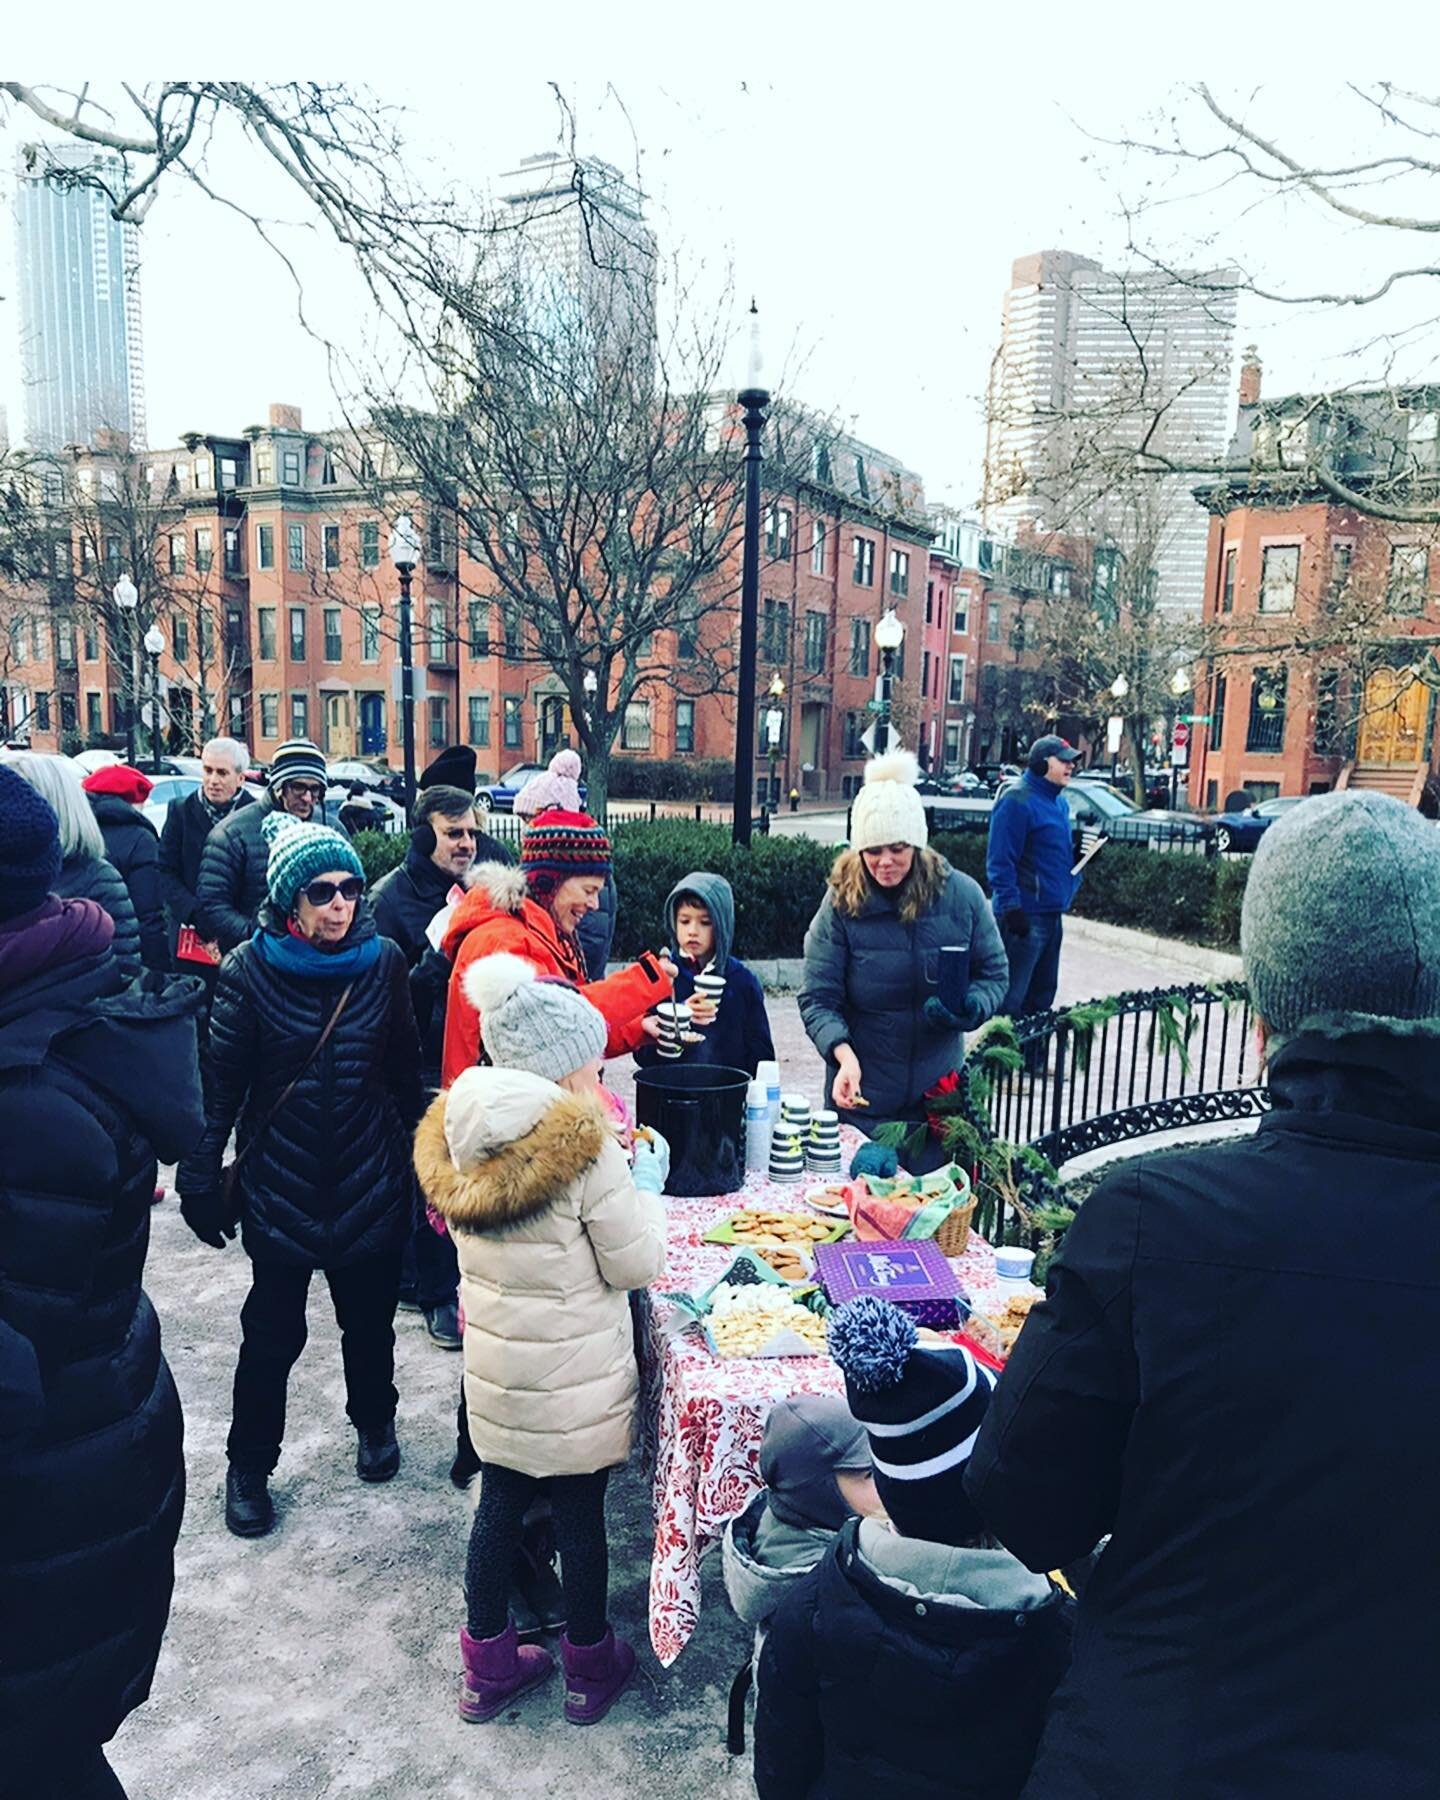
{"x": 284, "y": 418}
{"x": 1250, "y": 373}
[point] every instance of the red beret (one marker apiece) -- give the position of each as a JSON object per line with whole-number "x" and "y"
{"x": 120, "y": 779}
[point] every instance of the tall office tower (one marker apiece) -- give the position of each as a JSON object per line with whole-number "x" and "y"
{"x": 79, "y": 279}
{"x": 1090, "y": 362}
{"x": 587, "y": 252}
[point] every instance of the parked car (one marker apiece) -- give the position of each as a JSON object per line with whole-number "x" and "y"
{"x": 1097, "y": 805}
{"x": 1244, "y": 828}
{"x": 168, "y": 791}
{"x": 88, "y": 761}
{"x": 378, "y": 777}
{"x": 499, "y": 796}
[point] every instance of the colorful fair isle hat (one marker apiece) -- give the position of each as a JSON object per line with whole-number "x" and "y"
{"x": 559, "y": 844}
{"x": 301, "y": 849}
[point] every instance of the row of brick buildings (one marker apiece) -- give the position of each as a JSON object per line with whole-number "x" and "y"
{"x": 264, "y": 559}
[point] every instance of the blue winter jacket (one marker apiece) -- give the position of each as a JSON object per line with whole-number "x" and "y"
{"x": 1032, "y": 849}
{"x": 740, "y": 1037}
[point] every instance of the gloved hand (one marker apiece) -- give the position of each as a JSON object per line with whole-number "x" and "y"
{"x": 1016, "y": 922}
{"x": 208, "y": 1217}
{"x": 652, "y": 1162}
{"x": 875, "y": 1159}
{"x": 938, "y": 1013}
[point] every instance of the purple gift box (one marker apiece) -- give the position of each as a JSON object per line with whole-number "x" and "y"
{"x": 911, "y": 1275}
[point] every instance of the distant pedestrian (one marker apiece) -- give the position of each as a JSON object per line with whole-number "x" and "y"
{"x": 132, "y": 843}
{"x": 870, "y": 995}
{"x": 1234, "y": 1374}
{"x": 559, "y": 786}
{"x": 188, "y": 824}
{"x": 97, "y": 1079}
{"x": 86, "y": 872}
{"x": 1027, "y": 864}
{"x": 231, "y": 887}
{"x": 314, "y": 1056}
{"x": 552, "y": 1230}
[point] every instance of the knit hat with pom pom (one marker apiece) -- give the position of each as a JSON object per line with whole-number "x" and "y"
{"x": 529, "y": 1021}
{"x": 923, "y": 1409}
{"x": 887, "y": 809}
{"x": 559, "y": 786}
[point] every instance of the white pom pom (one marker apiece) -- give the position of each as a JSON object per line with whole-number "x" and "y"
{"x": 491, "y": 980}
{"x": 899, "y": 765}
{"x": 566, "y": 764}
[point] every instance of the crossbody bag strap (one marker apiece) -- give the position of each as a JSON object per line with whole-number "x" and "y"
{"x": 274, "y": 1112}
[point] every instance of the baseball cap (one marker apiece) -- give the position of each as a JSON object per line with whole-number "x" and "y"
{"x": 1053, "y": 746}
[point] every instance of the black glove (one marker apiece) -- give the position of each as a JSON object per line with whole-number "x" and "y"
{"x": 208, "y": 1217}
{"x": 1016, "y": 922}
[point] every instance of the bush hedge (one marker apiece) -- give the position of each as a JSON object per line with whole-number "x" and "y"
{"x": 656, "y": 778}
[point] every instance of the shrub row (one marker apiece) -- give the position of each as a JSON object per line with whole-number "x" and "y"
{"x": 656, "y": 778}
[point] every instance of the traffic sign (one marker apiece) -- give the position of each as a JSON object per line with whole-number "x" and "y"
{"x": 1195, "y": 718}
{"x": 875, "y": 706}
{"x": 869, "y": 738}
{"x": 1181, "y": 735}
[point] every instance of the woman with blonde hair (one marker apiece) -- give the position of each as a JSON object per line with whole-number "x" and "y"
{"x": 871, "y": 997}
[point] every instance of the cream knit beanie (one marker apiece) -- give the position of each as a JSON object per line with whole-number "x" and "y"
{"x": 887, "y": 809}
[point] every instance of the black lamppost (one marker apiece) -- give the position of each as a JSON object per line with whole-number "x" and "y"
{"x": 405, "y": 553}
{"x": 889, "y": 636}
{"x": 154, "y": 649}
{"x": 754, "y": 398}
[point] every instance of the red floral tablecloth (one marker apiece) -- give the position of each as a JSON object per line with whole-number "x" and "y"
{"x": 702, "y": 1418}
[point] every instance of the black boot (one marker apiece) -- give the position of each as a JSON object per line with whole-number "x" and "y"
{"x": 378, "y": 1456}
{"x": 539, "y": 1583}
{"x": 443, "y": 1324}
{"x": 466, "y": 1465}
{"x": 249, "y": 1511}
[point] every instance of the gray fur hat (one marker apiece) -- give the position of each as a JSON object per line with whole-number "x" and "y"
{"x": 1340, "y": 929}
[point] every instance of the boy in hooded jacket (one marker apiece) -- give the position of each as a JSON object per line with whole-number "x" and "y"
{"x": 700, "y": 927}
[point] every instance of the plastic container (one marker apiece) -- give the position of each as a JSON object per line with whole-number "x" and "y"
{"x": 769, "y": 1074}
{"x": 757, "y": 1128}
{"x": 699, "y": 1110}
{"x": 1013, "y": 1264}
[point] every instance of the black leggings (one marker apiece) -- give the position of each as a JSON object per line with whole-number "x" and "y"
{"x": 578, "y": 1502}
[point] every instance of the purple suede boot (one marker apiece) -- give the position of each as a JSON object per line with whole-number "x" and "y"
{"x": 496, "y": 1671}
{"x": 594, "y": 1676}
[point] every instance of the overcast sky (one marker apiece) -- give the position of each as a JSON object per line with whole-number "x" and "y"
{"x": 868, "y": 173}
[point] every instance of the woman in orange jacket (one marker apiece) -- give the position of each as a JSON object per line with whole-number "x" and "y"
{"x": 534, "y": 912}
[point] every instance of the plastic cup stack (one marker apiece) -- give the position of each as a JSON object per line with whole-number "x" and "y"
{"x": 674, "y": 1023}
{"x": 822, "y": 1149}
{"x": 769, "y": 1073}
{"x": 787, "y": 1154}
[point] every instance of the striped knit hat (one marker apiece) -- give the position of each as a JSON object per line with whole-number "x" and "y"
{"x": 923, "y": 1410}
{"x": 301, "y": 849}
{"x": 297, "y": 759}
{"x": 560, "y": 844}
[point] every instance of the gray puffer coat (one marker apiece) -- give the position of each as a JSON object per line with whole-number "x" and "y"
{"x": 867, "y": 979}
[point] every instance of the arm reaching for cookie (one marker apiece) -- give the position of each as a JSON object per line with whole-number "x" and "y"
{"x": 846, "y": 1088}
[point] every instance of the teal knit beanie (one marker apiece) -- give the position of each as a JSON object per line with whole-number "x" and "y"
{"x": 301, "y": 849}
{"x": 1340, "y": 929}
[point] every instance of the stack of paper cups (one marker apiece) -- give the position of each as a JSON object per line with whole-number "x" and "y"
{"x": 787, "y": 1154}
{"x": 795, "y": 1114}
{"x": 822, "y": 1151}
{"x": 710, "y": 986}
{"x": 674, "y": 1022}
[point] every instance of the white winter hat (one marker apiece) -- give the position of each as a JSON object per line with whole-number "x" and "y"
{"x": 545, "y": 1026}
{"x": 887, "y": 809}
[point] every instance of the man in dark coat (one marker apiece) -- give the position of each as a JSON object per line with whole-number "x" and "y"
{"x": 96, "y": 1078}
{"x": 188, "y": 825}
{"x": 117, "y": 793}
{"x": 231, "y": 887}
{"x": 324, "y": 1130}
{"x": 1235, "y": 1374}
{"x": 445, "y": 844}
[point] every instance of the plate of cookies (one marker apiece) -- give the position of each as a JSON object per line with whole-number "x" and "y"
{"x": 759, "y": 1225}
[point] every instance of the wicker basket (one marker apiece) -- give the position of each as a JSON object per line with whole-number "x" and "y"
{"x": 954, "y": 1234}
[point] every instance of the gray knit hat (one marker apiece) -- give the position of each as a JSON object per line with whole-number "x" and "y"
{"x": 526, "y": 1022}
{"x": 1341, "y": 922}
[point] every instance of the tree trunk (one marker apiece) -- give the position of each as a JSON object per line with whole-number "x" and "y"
{"x": 597, "y": 779}
{"x": 1139, "y": 744}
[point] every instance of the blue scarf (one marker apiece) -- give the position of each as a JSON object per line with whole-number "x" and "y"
{"x": 296, "y": 957}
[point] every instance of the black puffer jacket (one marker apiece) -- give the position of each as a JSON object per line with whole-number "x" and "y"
{"x": 1235, "y": 1373}
{"x": 133, "y": 845}
{"x": 231, "y": 888}
{"x": 96, "y": 878}
{"x": 330, "y": 1181}
{"x": 97, "y": 1076}
{"x": 880, "y": 1682}
{"x": 182, "y": 845}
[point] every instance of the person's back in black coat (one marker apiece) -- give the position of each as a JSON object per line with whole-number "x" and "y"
{"x": 873, "y": 1685}
{"x": 96, "y": 878}
{"x": 132, "y": 844}
{"x": 1235, "y": 1373}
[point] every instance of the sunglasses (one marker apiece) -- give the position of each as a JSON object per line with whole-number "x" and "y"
{"x": 321, "y": 893}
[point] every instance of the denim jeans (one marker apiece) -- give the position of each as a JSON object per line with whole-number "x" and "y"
{"x": 1034, "y": 965}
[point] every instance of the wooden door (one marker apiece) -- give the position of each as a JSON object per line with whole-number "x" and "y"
{"x": 1392, "y": 727}
{"x": 339, "y": 731}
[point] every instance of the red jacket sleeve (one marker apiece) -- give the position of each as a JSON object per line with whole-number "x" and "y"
{"x": 623, "y": 1000}
{"x": 461, "y": 1049}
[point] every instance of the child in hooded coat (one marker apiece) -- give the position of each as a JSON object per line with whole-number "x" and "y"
{"x": 552, "y": 1229}
{"x": 700, "y": 925}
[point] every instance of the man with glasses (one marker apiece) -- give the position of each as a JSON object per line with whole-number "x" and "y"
{"x": 231, "y": 885}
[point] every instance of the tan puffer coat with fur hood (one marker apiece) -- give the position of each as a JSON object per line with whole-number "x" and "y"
{"x": 551, "y": 1232}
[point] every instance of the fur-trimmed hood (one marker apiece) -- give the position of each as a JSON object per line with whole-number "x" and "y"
{"x": 521, "y": 1139}
{"x": 491, "y": 889}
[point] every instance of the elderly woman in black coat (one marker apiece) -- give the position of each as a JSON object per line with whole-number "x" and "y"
{"x": 97, "y": 1077}
{"x": 313, "y": 1050}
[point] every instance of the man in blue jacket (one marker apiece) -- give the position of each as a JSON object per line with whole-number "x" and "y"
{"x": 1027, "y": 864}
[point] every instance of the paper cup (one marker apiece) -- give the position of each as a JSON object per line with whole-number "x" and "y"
{"x": 1012, "y": 1263}
{"x": 674, "y": 1015}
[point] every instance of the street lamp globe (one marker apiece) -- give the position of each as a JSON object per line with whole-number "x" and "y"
{"x": 889, "y": 633}
{"x": 404, "y": 543}
{"x": 1180, "y": 683}
{"x": 126, "y": 595}
{"x": 154, "y": 641}
{"x": 591, "y": 684}
{"x": 1120, "y": 687}
{"x": 777, "y": 686}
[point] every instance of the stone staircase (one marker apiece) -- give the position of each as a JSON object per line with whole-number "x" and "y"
{"x": 1403, "y": 780}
